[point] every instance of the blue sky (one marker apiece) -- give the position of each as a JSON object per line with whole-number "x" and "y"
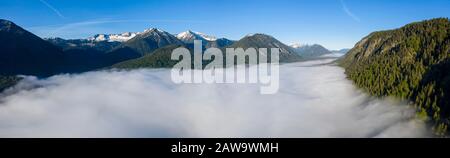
{"x": 333, "y": 23}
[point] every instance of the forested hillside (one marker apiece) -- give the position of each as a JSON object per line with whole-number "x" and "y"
{"x": 412, "y": 62}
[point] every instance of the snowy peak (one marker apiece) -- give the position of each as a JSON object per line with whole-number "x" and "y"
{"x": 297, "y": 45}
{"x": 124, "y": 37}
{"x": 154, "y": 30}
{"x": 207, "y": 37}
{"x": 190, "y": 36}
{"x": 155, "y": 33}
{"x": 113, "y": 37}
{"x": 187, "y": 37}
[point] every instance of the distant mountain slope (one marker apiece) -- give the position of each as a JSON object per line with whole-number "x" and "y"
{"x": 86, "y": 55}
{"x": 342, "y": 51}
{"x": 412, "y": 62}
{"x": 103, "y": 46}
{"x": 220, "y": 43}
{"x": 287, "y": 54}
{"x": 22, "y": 52}
{"x": 160, "y": 58}
{"x": 311, "y": 51}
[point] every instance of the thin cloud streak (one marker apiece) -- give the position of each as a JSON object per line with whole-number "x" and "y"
{"x": 348, "y": 12}
{"x": 107, "y": 21}
{"x": 53, "y": 9}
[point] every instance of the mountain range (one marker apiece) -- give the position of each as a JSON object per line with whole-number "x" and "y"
{"x": 24, "y": 53}
{"x": 160, "y": 58}
{"x": 104, "y": 50}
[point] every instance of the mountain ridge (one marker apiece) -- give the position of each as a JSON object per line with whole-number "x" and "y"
{"x": 25, "y": 53}
{"x": 260, "y": 40}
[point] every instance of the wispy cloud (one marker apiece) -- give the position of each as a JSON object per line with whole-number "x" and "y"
{"x": 53, "y": 9}
{"x": 348, "y": 12}
{"x": 108, "y": 21}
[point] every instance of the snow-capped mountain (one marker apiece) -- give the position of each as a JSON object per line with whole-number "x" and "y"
{"x": 157, "y": 34}
{"x": 114, "y": 37}
{"x": 297, "y": 45}
{"x": 190, "y": 36}
{"x": 209, "y": 41}
{"x": 207, "y": 37}
{"x": 147, "y": 42}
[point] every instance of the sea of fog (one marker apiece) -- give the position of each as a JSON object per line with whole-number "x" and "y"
{"x": 314, "y": 100}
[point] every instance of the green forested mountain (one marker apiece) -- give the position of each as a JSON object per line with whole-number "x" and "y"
{"x": 412, "y": 62}
{"x": 287, "y": 54}
{"x": 160, "y": 58}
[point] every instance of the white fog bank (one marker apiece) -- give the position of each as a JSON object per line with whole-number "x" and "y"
{"x": 313, "y": 101}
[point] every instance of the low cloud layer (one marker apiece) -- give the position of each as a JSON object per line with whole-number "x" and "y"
{"x": 313, "y": 101}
